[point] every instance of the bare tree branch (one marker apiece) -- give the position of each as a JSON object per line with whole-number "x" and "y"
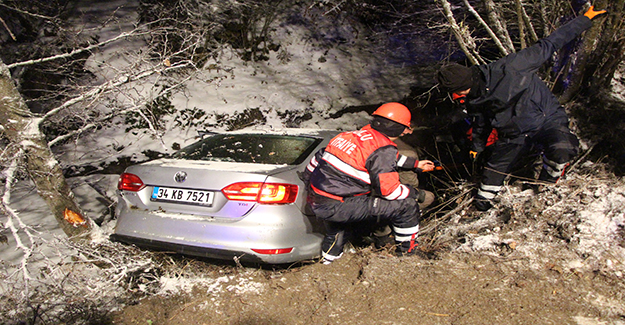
{"x": 76, "y": 51}
{"x": 13, "y": 218}
{"x": 27, "y": 13}
{"x": 8, "y": 29}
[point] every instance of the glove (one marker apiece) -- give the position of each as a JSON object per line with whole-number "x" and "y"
{"x": 415, "y": 194}
{"x": 474, "y": 155}
{"x": 591, "y": 13}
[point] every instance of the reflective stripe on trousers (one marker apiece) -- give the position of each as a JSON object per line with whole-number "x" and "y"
{"x": 488, "y": 191}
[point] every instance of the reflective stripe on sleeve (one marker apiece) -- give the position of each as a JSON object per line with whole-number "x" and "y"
{"x": 314, "y": 161}
{"x": 312, "y": 164}
{"x": 402, "y": 160}
{"x": 400, "y": 193}
{"x": 346, "y": 168}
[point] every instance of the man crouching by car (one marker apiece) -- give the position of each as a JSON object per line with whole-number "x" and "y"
{"x": 355, "y": 179}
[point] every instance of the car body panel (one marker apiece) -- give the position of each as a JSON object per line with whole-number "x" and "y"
{"x": 162, "y": 173}
{"x": 226, "y": 229}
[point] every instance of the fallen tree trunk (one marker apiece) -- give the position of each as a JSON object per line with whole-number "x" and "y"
{"x": 21, "y": 128}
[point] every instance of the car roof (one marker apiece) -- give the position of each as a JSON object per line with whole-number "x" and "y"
{"x": 277, "y": 131}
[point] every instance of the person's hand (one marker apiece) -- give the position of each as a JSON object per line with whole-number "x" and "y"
{"x": 425, "y": 165}
{"x": 591, "y": 13}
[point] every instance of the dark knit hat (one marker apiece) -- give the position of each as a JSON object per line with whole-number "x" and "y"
{"x": 454, "y": 77}
{"x": 386, "y": 126}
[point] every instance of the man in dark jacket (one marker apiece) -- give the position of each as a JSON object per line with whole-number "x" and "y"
{"x": 354, "y": 180}
{"x": 508, "y": 96}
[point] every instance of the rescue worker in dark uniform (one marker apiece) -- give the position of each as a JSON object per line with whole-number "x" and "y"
{"x": 355, "y": 180}
{"x": 508, "y": 95}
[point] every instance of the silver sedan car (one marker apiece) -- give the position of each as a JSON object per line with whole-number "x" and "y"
{"x": 228, "y": 196}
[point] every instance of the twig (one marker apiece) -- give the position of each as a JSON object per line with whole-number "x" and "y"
{"x": 437, "y": 314}
{"x": 460, "y": 206}
{"x": 582, "y": 158}
{"x": 334, "y": 8}
{"x": 12, "y": 216}
{"x": 8, "y": 29}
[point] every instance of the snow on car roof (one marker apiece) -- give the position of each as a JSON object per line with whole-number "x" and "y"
{"x": 285, "y": 131}
{"x": 214, "y": 165}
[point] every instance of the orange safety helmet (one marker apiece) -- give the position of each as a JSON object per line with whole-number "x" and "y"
{"x": 395, "y": 112}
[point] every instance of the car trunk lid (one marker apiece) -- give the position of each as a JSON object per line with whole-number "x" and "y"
{"x": 194, "y": 187}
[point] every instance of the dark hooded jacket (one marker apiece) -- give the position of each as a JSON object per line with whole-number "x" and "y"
{"x": 510, "y": 97}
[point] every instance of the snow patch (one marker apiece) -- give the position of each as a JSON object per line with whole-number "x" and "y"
{"x": 481, "y": 243}
{"x": 215, "y": 165}
{"x": 214, "y": 286}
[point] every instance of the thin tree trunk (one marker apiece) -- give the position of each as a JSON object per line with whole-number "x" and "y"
{"x": 466, "y": 43}
{"x": 21, "y": 129}
{"x": 543, "y": 18}
{"x": 610, "y": 51}
{"x": 519, "y": 8}
{"x": 498, "y": 24}
{"x": 602, "y": 49}
{"x": 490, "y": 32}
{"x": 527, "y": 22}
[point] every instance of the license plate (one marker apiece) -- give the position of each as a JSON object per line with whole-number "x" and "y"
{"x": 183, "y": 195}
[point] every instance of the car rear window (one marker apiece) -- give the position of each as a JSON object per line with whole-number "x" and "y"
{"x": 251, "y": 148}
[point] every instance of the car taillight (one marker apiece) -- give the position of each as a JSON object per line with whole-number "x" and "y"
{"x": 130, "y": 182}
{"x": 267, "y": 193}
{"x": 273, "y": 251}
{"x": 278, "y": 193}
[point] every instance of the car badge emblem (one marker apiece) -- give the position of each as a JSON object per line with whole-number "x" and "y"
{"x": 180, "y": 177}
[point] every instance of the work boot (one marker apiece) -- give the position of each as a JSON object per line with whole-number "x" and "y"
{"x": 402, "y": 251}
{"x": 482, "y": 204}
{"x": 333, "y": 242}
{"x": 420, "y": 196}
{"x": 383, "y": 241}
{"x": 408, "y": 248}
{"x": 428, "y": 199}
{"x": 328, "y": 259}
{"x": 546, "y": 178}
